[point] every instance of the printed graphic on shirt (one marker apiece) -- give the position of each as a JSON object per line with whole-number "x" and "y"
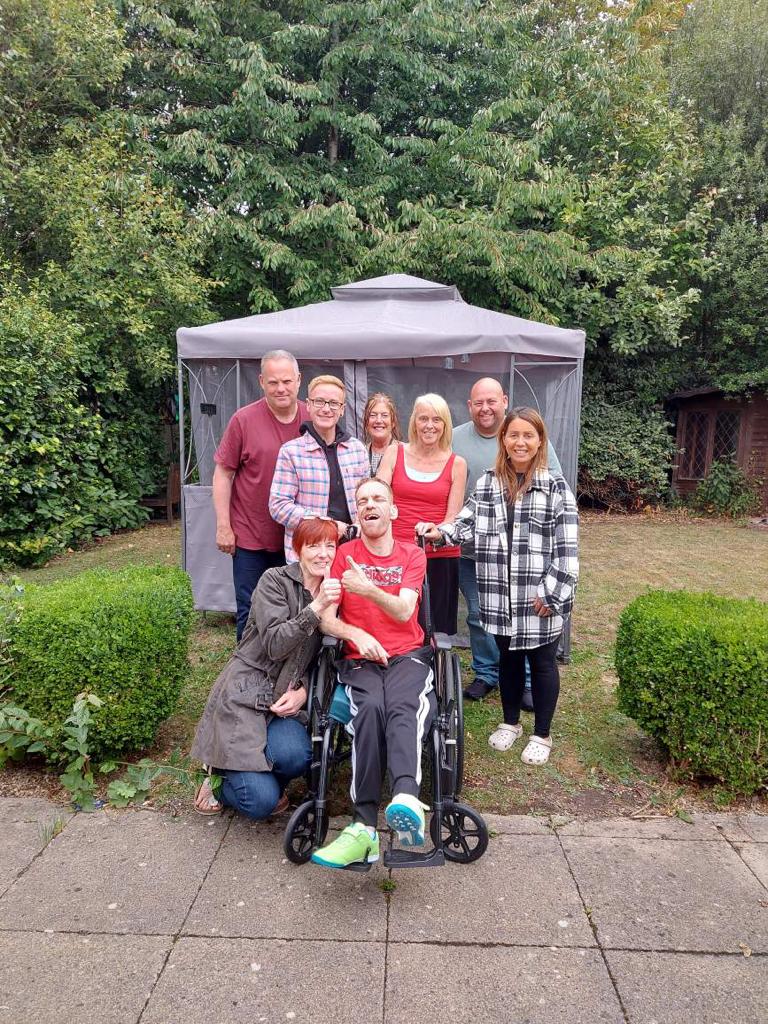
{"x": 384, "y": 575}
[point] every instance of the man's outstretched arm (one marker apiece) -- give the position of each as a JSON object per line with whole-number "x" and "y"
{"x": 399, "y": 607}
{"x": 368, "y": 646}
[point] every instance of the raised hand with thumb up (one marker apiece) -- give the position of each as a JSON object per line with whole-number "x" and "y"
{"x": 354, "y": 579}
{"x": 329, "y": 593}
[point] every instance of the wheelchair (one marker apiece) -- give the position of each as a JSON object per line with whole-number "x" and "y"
{"x": 458, "y": 832}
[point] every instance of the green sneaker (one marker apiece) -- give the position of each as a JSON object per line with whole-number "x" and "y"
{"x": 405, "y": 815}
{"x": 353, "y": 846}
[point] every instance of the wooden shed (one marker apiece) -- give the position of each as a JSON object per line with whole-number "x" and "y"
{"x": 711, "y": 426}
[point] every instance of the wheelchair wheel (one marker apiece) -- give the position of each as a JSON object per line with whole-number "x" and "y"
{"x": 464, "y": 833}
{"x": 455, "y": 748}
{"x": 301, "y": 833}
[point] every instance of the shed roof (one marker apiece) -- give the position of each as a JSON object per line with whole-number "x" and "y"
{"x": 392, "y": 317}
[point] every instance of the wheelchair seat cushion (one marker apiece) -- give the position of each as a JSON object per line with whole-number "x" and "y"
{"x": 340, "y": 709}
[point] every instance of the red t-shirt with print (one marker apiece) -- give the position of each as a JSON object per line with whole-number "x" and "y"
{"x": 403, "y": 568}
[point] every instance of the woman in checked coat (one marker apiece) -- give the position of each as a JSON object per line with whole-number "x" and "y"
{"x": 524, "y": 522}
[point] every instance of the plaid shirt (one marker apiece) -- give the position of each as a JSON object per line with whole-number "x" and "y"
{"x": 538, "y": 556}
{"x": 301, "y": 484}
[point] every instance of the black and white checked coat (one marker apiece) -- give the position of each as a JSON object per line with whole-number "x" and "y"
{"x": 538, "y": 556}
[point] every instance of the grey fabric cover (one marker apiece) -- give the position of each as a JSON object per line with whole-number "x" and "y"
{"x": 398, "y": 334}
{"x": 398, "y": 315}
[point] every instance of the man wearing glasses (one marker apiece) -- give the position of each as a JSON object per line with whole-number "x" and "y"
{"x": 245, "y": 463}
{"x": 316, "y": 474}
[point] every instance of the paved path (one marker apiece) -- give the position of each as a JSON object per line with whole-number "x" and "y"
{"x": 136, "y": 917}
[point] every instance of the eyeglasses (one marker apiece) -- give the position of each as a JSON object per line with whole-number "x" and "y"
{"x": 320, "y": 403}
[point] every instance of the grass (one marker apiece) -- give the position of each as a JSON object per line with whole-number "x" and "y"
{"x": 601, "y": 763}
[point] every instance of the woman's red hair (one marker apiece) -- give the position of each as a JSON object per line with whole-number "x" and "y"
{"x": 312, "y": 531}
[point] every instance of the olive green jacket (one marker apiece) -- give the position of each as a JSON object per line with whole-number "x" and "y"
{"x": 279, "y": 643}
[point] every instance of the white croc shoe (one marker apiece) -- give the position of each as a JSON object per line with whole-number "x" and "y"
{"x": 537, "y": 750}
{"x": 504, "y": 736}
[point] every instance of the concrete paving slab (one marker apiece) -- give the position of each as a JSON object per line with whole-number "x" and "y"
{"x": 646, "y": 894}
{"x": 129, "y": 871}
{"x": 242, "y": 981}
{"x": 535, "y": 986}
{"x": 731, "y": 826}
{"x": 756, "y": 826}
{"x": 755, "y": 855}
{"x": 662, "y": 827}
{"x": 26, "y": 825}
{"x": 48, "y": 979}
{"x": 521, "y": 891}
{"x": 253, "y": 891}
{"x": 517, "y": 824}
{"x": 691, "y": 988}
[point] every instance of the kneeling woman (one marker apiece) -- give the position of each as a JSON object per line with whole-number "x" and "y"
{"x": 249, "y": 733}
{"x": 525, "y": 527}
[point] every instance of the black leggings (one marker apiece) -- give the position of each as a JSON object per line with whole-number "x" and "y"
{"x": 545, "y": 682}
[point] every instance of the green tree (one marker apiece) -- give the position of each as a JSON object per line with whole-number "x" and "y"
{"x": 719, "y": 69}
{"x": 90, "y": 239}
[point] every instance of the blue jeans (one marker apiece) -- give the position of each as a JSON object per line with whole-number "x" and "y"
{"x": 485, "y": 653}
{"x": 247, "y": 569}
{"x": 255, "y": 794}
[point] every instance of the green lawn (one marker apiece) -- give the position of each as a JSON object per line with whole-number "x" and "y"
{"x": 601, "y": 762}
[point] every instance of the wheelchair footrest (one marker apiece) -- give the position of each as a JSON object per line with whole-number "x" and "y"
{"x": 359, "y": 865}
{"x": 408, "y": 859}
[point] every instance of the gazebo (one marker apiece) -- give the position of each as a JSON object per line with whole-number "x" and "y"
{"x": 398, "y": 334}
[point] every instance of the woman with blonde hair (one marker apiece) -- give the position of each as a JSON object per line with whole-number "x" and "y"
{"x": 427, "y": 481}
{"x": 524, "y": 523}
{"x": 381, "y": 427}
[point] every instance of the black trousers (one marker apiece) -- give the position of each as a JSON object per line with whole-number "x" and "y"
{"x": 545, "y": 682}
{"x": 392, "y": 708}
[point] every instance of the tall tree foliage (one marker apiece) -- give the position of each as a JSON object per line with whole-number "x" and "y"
{"x": 719, "y": 71}
{"x": 90, "y": 242}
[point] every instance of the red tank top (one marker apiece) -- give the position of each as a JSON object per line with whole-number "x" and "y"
{"x": 419, "y": 502}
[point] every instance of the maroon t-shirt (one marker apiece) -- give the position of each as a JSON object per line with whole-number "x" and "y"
{"x": 249, "y": 446}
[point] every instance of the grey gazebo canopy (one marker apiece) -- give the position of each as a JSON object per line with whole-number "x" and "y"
{"x": 398, "y": 334}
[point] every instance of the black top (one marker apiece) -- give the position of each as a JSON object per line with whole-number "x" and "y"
{"x": 337, "y": 496}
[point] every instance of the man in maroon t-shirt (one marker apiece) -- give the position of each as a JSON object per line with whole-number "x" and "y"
{"x": 387, "y": 674}
{"x": 245, "y": 464}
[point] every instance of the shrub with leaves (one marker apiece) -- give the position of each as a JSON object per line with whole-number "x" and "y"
{"x": 726, "y": 491}
{"x": 55, "y": 489}
{"x": 693, "y": 672}
{"x": 121, "y": 636}
{"x": 625, "y": 455}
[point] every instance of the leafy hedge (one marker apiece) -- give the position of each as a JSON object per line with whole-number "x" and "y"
{"x": 726, "y": 491}
{"x": 56, "y": 487}
{"x": 625, "y": 455}
{"x": 121, "y": 635}
{"x": 693, "y": 672}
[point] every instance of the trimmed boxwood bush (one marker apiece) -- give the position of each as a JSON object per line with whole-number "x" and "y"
{"x": 121, "y": 635}
{"x": 693, "y": 672}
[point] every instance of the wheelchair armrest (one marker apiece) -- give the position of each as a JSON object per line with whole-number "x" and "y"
{"x": 330, "y": 641}
{"x": 442, "y": 642}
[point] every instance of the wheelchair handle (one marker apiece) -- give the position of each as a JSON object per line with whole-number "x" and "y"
{"x": 422, "y": 542}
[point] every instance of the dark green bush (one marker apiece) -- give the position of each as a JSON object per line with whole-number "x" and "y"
{"x": 56, "y": 488}
{"x": 625, "y": 455}
{"x": 726, "y": 491}
{"x": 693, "y": 672}
{"x": 121, "y": 635}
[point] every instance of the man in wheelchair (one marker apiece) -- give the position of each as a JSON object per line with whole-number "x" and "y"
{"x": 387, "y": 672}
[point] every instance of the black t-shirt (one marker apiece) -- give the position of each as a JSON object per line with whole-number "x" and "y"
{"x": 337, "y": 496}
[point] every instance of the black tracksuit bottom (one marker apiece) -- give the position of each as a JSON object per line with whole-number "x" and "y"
{"x": 392, "y": 708}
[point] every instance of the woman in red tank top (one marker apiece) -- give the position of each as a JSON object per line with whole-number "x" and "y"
{"x": 428, "y": 480}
